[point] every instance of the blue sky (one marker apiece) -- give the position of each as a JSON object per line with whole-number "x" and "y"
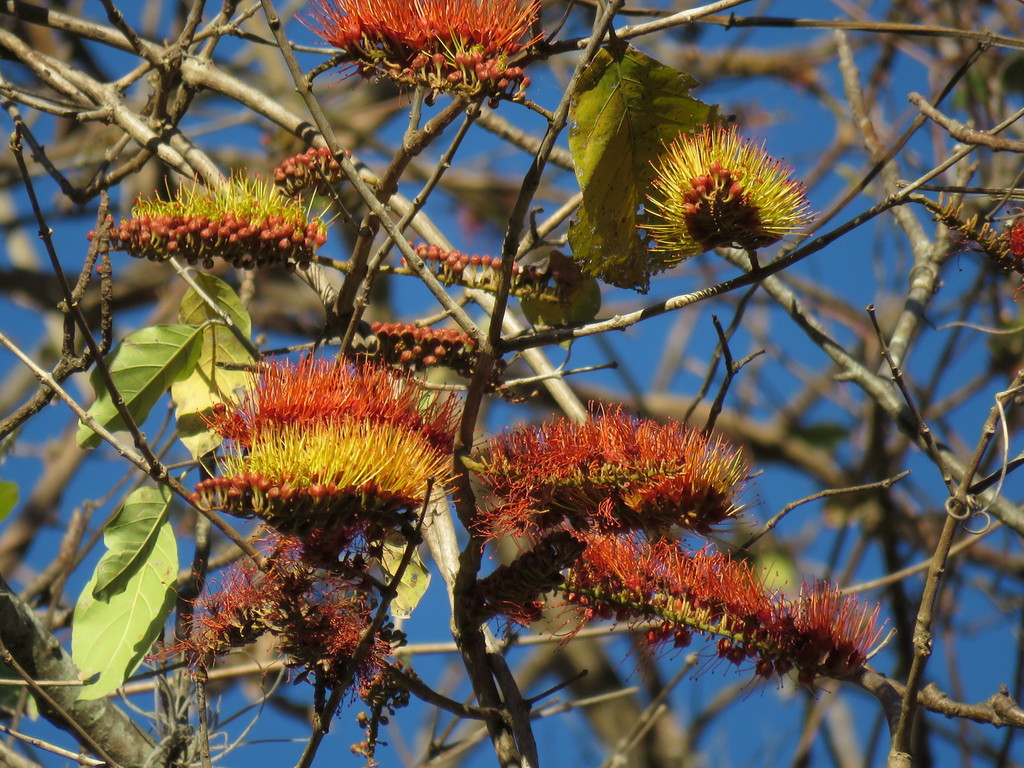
{"x": 763, "y": 724}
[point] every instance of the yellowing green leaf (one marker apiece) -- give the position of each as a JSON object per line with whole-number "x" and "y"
{"x": 143, "y": 367}
{"x": 778, "y": 571}
{"x": 415, "y": 578}
{"x": 129, "y": 536}
{"x": 211, "y": 381}
{"x": 112, "y": 635}
{"x": 626, "y": 107}
{"x": 8, "y": 497}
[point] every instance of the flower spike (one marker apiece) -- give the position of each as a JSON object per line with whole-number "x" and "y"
{"x": 634, "y": 580}
{"x": 323, "y": 449}
{"x": 462, "y": 46}
{"x": 716, "y": 189}
{"x": 316, "y": 616}
{"x": 613, "y": 472}
{"x": 245, "y": 222}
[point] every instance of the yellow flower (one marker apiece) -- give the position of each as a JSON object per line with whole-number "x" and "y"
{"x": 716, "y": 189}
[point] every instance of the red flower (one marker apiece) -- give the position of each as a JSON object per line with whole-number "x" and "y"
{"x": 445, "y": 45}
{"x": 1015, "y": 238}
{"x": 833, "y": 631}
{"x": 613, "y": 472}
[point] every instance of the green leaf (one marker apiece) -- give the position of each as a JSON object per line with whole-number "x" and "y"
{"x": 143, "y": 367}
{"x": 778, "y": 571}
{"x": 8, "y": 497}
{"x": 415, "y": 578}
{"x": 627, "y": 106}
{"x": 210, "y": 382}
{"x": 112, "y": 635}
{"x": 129, "y": 536}
{"x": 1012, "y": 77}
{"x": 827, "y": 434}
{"x": 580, "y": 304}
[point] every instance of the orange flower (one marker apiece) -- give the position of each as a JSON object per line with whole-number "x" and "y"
{"x": 630, "y": 579}
{"x": 716, "y": 189}
{"x": 613, "y": 472}
{"x": 445, "y": 45}
{"x": 322, "y": 447}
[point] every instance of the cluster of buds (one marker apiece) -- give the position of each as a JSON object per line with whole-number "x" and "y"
{"x": 716, "y": 189}
{"x": 329, "y": 449}
{"x": 416, "y": 348}
{"x": 550, "y": 283}
{"x": 460, "y": 46}
{"x": 384, "y": 695}
{"x": 316, "y": 616}
{"x": 514, "y": 590}
{"x": 1005, "y": 248}
{"x": 314, "y": 169}
{"x": 637, "y": 581}
{"x": 245, "y": 222}
{"x": 613, "y": 472}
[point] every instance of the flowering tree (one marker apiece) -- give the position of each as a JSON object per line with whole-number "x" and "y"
{"x": 275, "y": 355}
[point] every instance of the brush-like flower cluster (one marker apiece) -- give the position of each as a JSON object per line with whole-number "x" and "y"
{"x": 245, "y": 222}
{"x": 1005, "y": 248}
{"x": 552, "y": 282}
{"x": 653, "y": 581}
{"x": 317, "y": 617}
{"x": 416, "y": 348}
{"x": 462, "y": 46}
{"x": 613, "y": 472}
{"x": 328, "y": 448}
{"x": 600, "y": 507}
{"x": 716, "y": 189}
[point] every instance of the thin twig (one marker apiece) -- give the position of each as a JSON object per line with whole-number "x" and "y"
{"x": 827, "y": 493}
{"x": 731, "y": 369}
{"x": 78, "y": 757}
{"x": 654, "y": 709}
{"x": 40, "y": 693}
{"x": 958, "y": 508}
{"x": 961, "y": 132}
{"x": 892, "y": 578}
{"x": 924, "y": 432}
